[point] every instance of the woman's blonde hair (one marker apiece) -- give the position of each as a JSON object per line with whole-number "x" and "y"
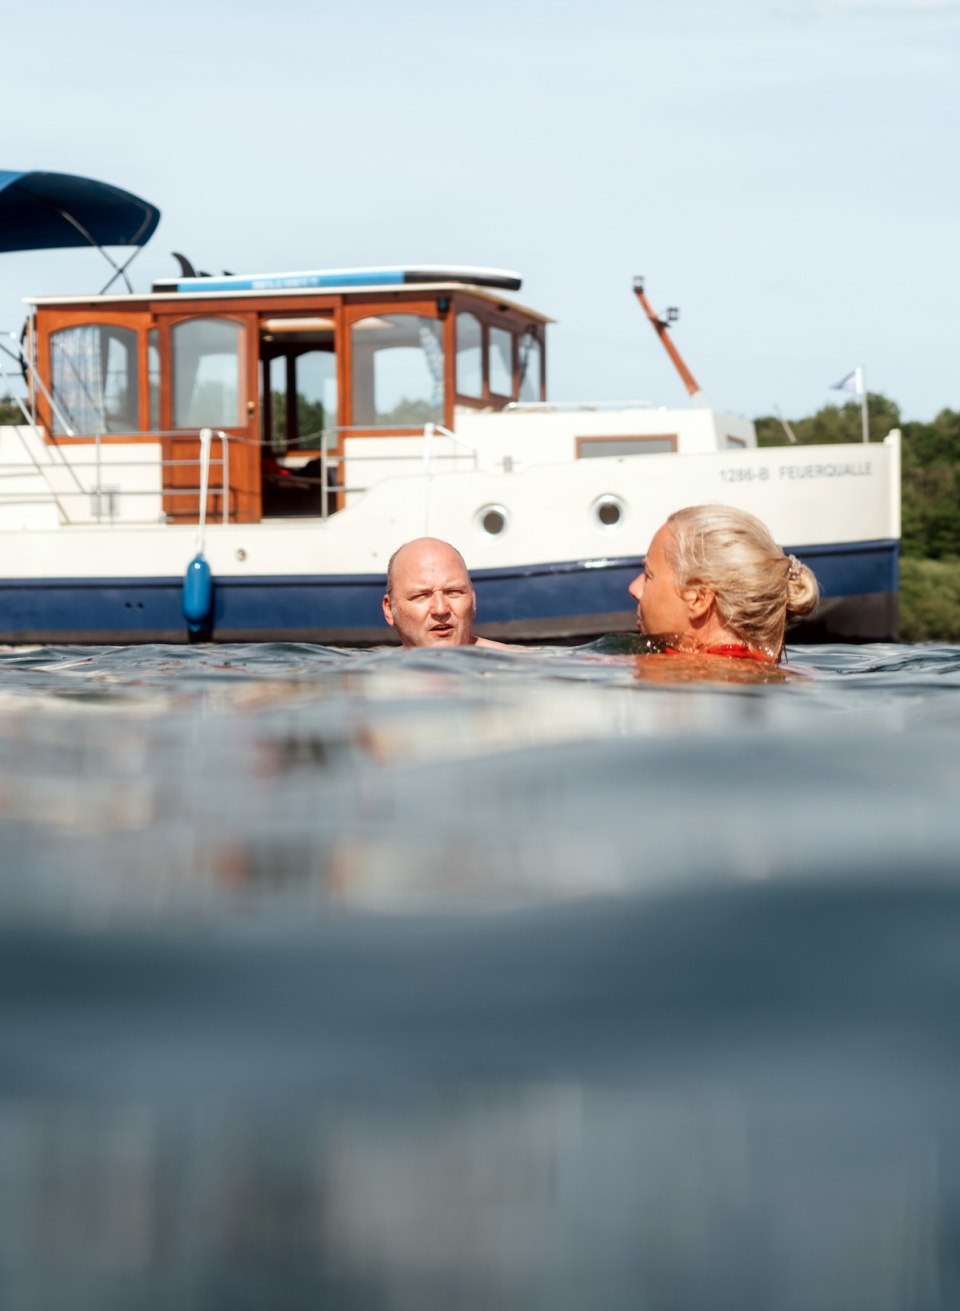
{"x": 757, "y": 587}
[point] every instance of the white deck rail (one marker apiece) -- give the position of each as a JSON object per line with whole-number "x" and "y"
{"x": 86, "y": 482}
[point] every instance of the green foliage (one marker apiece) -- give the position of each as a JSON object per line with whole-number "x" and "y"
{"x": 9, "y": 411}
{"x": 930, "y": 503}
{"x": 929, "y": 600}
{"x": 411, "y": 414}
{"x": 833, "y": 423}
{"x": 931, "y": 487}
{"x": 311, "y": 419}
{"x": 931, "y": 465}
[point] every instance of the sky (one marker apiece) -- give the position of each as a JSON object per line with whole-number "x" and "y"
{"x": 782, "y": 171}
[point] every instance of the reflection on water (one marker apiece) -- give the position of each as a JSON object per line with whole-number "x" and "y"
{"x": 554, "y": 1197}
{"x": 478, "y": 979}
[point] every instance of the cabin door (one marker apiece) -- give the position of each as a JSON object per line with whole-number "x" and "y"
{"x": 209, "y": 364}
{"x": 299, "y": 413}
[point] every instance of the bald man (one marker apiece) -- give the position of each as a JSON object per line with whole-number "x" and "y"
{"x": 430, "y": 599}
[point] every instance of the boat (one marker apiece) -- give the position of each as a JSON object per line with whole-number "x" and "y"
{"x": 236, "y": 457}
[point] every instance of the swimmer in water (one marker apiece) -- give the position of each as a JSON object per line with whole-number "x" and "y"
{"x": 718, "y": 584}
{"x": 430, "y": 599}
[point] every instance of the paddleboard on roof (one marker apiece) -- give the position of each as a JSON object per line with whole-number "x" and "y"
{"x": 385, "y": 276}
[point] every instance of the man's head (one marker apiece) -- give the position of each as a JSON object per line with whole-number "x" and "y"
{"x": 429, "y": 599}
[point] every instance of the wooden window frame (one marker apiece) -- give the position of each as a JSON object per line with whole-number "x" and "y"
{"x": 496, "y": 396}
{"x": 537, "y": 331}
{"x": 475, "y": 402}
{"x": 380, "y": 307}
{"x": 327, "y": 309}
{"x": 244, "y": 491}
{"x": 51, "y": 321}
{"x": 491, "y": 315}
{"x": 167, "y": 322}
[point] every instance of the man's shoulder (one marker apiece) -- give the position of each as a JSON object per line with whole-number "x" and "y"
{"x": 499, "y": 646}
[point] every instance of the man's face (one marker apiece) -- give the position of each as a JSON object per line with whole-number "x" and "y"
{"x": 432, "y": 602}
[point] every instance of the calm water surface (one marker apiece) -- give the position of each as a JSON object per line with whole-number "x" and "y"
{"x": 478, "y": 979}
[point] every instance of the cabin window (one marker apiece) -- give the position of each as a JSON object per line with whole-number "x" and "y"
{"x": 501, "y": 361}
{"x": 153, "y": 380}
{"x": 531, "y": 367}
{"x": 94, "y": 374}
{"x": 469, "y": 356}
{"x": 600, "y": 447}
{"x": 303, "y": 400}
{"x": 316, "y": 387}
{"x": 276, "y": 423}
{"x": 397, "y": 371}
{"x": 205, "y": 355}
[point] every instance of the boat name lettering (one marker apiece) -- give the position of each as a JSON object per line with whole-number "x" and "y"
{"x": 749, "y": 475}
{"x": 754, "y": 473}
{"x": 861, "y": 469}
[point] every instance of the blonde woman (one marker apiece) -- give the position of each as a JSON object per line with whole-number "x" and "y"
{"x": 715, "y": 580}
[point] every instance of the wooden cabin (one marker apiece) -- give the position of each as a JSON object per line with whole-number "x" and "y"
{"x": 287, "y": 372}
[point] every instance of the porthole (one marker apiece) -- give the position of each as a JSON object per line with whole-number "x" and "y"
{"x": 609, "y": 513}
{"x": 492, "y": 520}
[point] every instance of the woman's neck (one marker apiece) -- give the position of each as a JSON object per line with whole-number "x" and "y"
{"x": 710, "y": 631}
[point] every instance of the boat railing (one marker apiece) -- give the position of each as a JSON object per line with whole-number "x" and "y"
{"x": 571, "y": 407}
{"x": 63, "y": 454}
{"x": 31, "y": 378}
{"x": 100, "y": 484}
{"x": 333, "y": 461}
{"x": 87, "y": 479}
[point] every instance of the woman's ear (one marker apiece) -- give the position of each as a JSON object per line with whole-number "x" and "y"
{"x": 699, "y": 602}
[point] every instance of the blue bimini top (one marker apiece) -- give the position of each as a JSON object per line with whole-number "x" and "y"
{"x": 44, "y": 211}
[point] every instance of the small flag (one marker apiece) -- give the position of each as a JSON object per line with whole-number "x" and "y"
{"x": 852, "y": 382}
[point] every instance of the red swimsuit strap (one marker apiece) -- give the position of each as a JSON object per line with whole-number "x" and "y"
{"x": 740, "y": 651}
{"x": 732, "y": 650}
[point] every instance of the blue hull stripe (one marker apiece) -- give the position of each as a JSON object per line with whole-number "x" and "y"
{"x": 124, "y": 609}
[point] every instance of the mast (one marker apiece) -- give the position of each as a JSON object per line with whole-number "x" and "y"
{"x": 660, "y": 328}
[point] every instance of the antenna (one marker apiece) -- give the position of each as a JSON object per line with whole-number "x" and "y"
{"x": 660, "y": 328}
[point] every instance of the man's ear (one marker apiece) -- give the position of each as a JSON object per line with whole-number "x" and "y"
{"x": 699, "y": 601}
{"x": 388, "y": 609}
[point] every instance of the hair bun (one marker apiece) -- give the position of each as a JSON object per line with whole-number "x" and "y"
{"x": 803, "y": 590}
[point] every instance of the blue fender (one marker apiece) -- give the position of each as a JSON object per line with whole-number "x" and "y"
{"x": 198, "y": 594}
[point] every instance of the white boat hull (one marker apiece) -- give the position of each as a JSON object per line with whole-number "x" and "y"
{"x": 556, "y": 570}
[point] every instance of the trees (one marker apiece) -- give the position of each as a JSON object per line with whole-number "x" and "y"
{"x": 931, "y": 488}
{"x": 929, "y": 600}
{"x": 833, "y": 423}
{"x": 930, "y": 503}
{"x": 311, "y": 420}
{"x": 930, "y": 468}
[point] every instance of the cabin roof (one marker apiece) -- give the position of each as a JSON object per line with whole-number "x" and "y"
{"x": 409, "y": 291}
